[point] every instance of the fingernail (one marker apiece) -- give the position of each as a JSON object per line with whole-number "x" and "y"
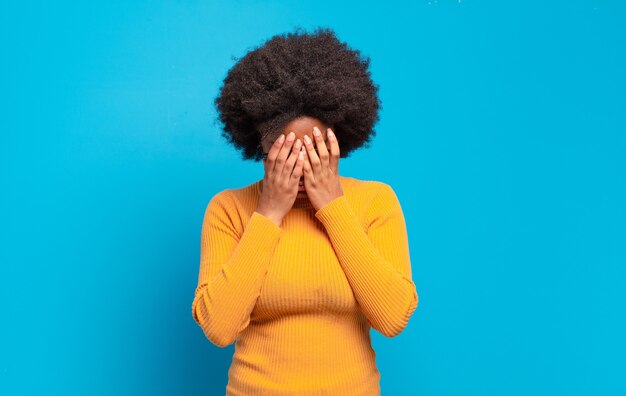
{"x": 307, "y": 139}
{"x": 316, "y": 131}
{"x": 291, "y": 136}
{"x": 281, "y": 138}
{"x": 330, "y": 133}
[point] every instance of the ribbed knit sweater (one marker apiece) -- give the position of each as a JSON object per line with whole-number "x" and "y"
{"x": 299, "y": 299}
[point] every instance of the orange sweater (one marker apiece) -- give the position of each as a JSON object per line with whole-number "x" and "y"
{"x": 299, "y": 299}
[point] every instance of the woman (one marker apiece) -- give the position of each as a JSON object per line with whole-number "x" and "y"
{"x": 298, "y": 266}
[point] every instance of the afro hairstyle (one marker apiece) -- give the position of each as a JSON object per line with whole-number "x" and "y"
{"x": 298, "y": 74}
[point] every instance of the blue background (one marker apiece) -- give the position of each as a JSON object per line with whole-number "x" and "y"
{"x": 503, "y": 133}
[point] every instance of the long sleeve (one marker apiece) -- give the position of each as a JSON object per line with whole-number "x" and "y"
{"x": 376, "y": 260}
{"x": 233, "y": 266}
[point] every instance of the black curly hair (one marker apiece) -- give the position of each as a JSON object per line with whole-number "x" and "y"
{"x": 298, "y": 74}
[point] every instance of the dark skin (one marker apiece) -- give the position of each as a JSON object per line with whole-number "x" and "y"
{"x": 318, "y": 167}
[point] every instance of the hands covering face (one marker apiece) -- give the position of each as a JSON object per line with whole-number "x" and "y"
{"x": 321, "y": 168}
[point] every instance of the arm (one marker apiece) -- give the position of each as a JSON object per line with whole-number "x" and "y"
{"x": 376, "y": 262}
{"x": 232, "y": 270}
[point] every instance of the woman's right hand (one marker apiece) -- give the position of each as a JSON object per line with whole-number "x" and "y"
{"x": 283, "y": 169}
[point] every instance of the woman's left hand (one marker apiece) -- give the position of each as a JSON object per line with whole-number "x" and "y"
{"x": 321, "y": 169}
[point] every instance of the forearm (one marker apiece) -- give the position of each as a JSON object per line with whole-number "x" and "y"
{"x": 386, "y": 296}
{"x": 222, "y": 304}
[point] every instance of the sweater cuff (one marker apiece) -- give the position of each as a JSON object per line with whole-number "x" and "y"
{"x": 337, "y": 213}
{"x": 263, "y": 228}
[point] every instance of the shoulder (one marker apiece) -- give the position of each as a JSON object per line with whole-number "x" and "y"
{"x": 370, "y": 199}
{"x": 234, "y": 206}
{"x": 236, "y": 198}
{"x": 378, "y": 200}
{"x": 366, "y": 189}
{"x": 221, "y": 203}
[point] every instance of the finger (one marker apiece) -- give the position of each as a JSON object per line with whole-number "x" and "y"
{"x": 295, "y": 150}
{"x": 313, "y": 158}
{"x": 307, "y": 170}
{"x": 322, "y": 150}
{"x": 273, "y": 153}
{"x": 297, "y": 170}
{"x": 281, "y": 159}
{"x": 334, "y": 150}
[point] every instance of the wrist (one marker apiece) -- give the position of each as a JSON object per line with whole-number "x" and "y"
{"x": 277, "y": 219}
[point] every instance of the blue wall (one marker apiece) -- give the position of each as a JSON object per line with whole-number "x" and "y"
{"x": 503, "y": 132}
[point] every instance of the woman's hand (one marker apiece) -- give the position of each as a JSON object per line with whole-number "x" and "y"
{"x": 283, "y": 169}
{"x": 321, "y": 169}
